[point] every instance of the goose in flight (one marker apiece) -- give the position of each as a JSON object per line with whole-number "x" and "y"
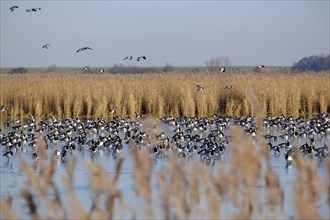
{"x": 137, "y": 115}
{"x": 112, "y": 111}
{"x": 199, "y": 88}
{"x": 12, "y": 8}
{"x": 84, "y": 48}
{"x": 141, "y": 57}
{"x": 128, "y": 58}
{"x": 85, "y": 68}
{"x": 33, "y": 9}
{"x": 222, "y": 69}
{"x": 2, "y": 108}
{"x": 46, "y": 46}
{"x": 260, "y": 66}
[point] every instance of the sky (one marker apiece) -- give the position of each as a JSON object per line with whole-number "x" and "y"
{"x": 180, "y": 33}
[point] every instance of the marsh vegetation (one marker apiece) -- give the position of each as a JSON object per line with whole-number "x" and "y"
{"x": 163, "y": 94}
{"x": 245, "y": 179}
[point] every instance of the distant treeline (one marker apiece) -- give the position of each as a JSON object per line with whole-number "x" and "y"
{"x": 18, "y": 70}
{"x": 120, "y": 69}
{"x": 313, "y": 63}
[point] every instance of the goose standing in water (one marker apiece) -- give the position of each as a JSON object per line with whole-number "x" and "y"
{"x": 290, "y": 156}
{"x": 8, "y": 154}
{"x": 35, "y": 156}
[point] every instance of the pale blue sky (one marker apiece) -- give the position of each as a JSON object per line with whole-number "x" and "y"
{"x": 183, "y": 33}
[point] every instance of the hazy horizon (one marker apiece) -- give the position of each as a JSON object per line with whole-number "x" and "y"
{"x": 181, "y": 33}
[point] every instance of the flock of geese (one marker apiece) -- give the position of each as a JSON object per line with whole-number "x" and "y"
{"x": 86, "y": 68}
{"x": 13, "y": 8}
{"x": 143, "y": 57}
{"x": 207, "y": 138}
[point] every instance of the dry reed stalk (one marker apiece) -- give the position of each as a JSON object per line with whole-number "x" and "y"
{"x": 77, "y": 210}
{"x": 173, "y": 183}
{"x": 245, "y": 206}
{"x": 101, "y": 183}
{"x": 187, "y": 103}
{"x": 198, "y": 175}
{"x": 67, "y": 103}
{"x": 258, "y": 115}
{"x": 42, "y": 148}
{"x": 160, "y": 108}
{"x": 41, "y": 183}
{"x": 307, "y": 172}
{"x": 31, "y": 204}
{"x": 78, "y": 107}
{"x": 58, "y": 107}
{"x": 103, "y": 186}
{"x": 245, "y": 167}
{"x": 244, "y": 158}
{"x": 131, "y": 106}
{"x": 225, "y": 184}
{"x": 274, "y": 193}
{"x": 213, "y": 201}
{"x": 119, "y": 168}
{"x": 142, "y": 162}
{"x": 327, "y": 166}
{"x": 162, "y": 185}
{"x": 87, "y": 105}
{"x": 6, "y": 211}
{"x": 34, "y": 182}
{"x": 309, "y": 189}
{"x": 202, "y": 185}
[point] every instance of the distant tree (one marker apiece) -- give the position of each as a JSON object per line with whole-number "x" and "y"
{"x": 168, "y": 67}
{"x": 52, "y": 68}
{"x": 194, "y": 70}
{"x": 313, "y": 63}
{"x": 215, "y": 64}
{"x": 18, "y": 70}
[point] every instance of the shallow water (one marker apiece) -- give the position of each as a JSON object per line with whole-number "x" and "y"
{"x": 13, "y": 179}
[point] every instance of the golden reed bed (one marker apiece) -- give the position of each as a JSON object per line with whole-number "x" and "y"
{"x": 163, "y": 94}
